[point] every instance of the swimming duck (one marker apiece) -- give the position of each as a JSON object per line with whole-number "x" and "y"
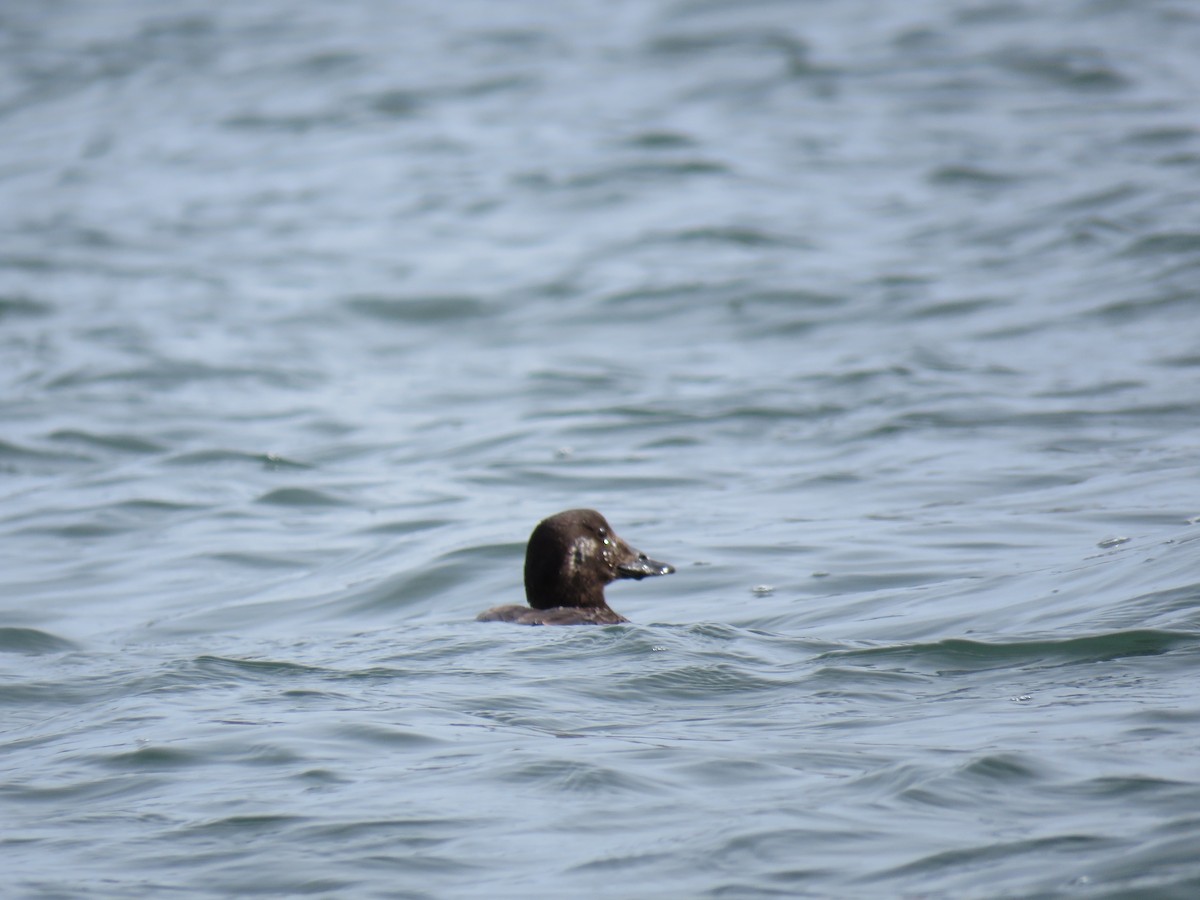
{"x": 570, "y": 557}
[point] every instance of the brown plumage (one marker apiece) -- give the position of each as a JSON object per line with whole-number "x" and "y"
{"x": 570, "y": 557}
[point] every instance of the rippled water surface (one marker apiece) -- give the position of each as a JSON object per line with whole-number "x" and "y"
{"x": 880, "y": 321}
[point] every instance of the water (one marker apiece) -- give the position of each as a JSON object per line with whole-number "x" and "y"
{"x": 878, "y": 320}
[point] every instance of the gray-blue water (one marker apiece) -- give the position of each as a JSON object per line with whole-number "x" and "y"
{"x": 880, "y": 320}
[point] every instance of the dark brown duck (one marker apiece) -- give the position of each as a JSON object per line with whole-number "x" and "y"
{"x": 568, "y": 561}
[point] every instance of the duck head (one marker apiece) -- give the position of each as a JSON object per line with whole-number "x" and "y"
{"x": 571, "y": 556}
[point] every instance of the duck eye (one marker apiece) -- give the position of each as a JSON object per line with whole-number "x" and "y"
{"x": 603, "y": 533}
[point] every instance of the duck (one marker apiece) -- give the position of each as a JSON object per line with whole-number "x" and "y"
{"x": 569, "y": 559}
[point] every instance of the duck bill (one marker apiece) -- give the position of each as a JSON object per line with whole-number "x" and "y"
{"x": 641, "y": 566}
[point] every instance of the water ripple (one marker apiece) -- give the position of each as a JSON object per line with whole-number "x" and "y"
{"x": 32, "y": 642}
{"x": 883, "y": 315}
